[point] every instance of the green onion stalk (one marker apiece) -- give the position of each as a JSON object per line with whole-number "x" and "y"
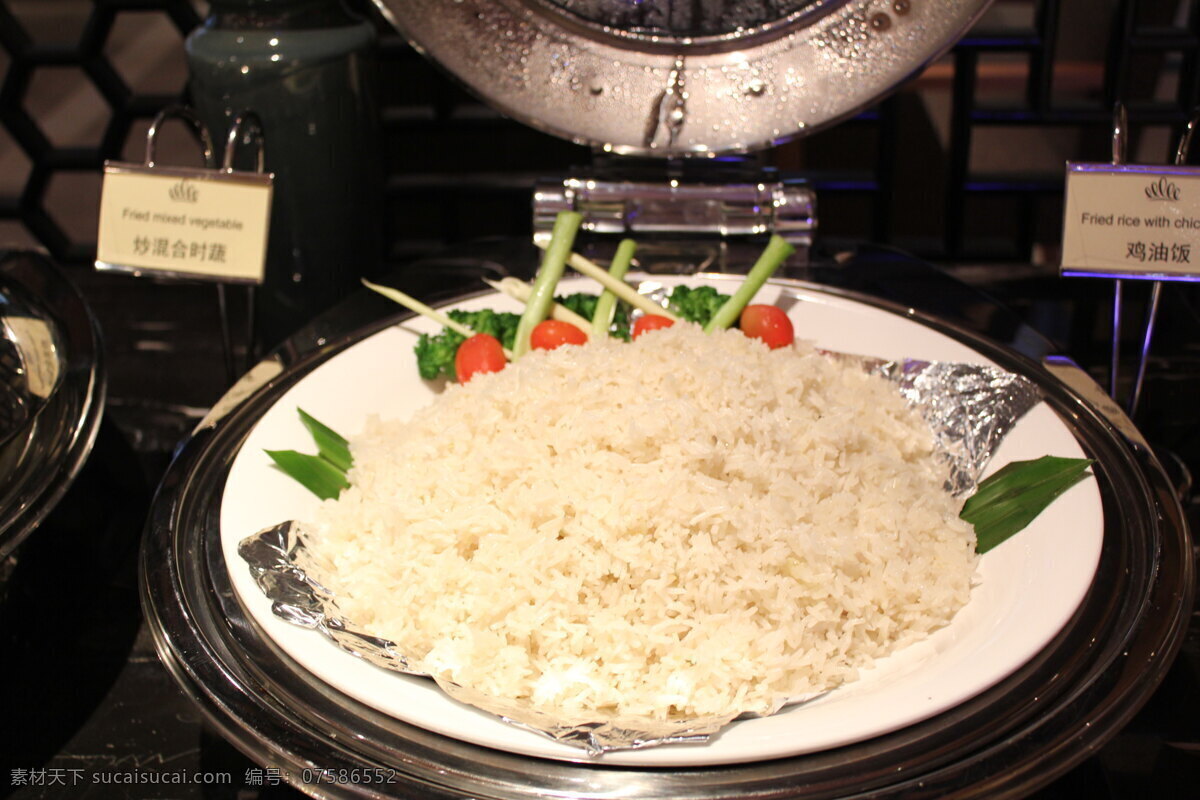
{"x": 606, "y": 306}
{"x": 521, "y": 291}
{"x": 621, "y": 289}
{"x": 562, "y": 239}
{"x": 416, "y": 306}
{"x": 773, "y": 256}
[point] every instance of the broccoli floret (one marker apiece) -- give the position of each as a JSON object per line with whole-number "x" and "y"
{"x": 696, "y": 305}
{"x": 501, "y": 324}
{"x": 581, "y": 303}
{"x": 584, "y": 305}
{"x": 435, "y": 352}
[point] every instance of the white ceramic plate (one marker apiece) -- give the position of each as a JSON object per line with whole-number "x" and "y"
{"x": 1030, "y": 586}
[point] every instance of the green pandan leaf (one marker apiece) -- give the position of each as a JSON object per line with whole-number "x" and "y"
{"x": 323, "y": 474}
{"x": 313, "y": 472}
{"x": 1017, "y": 493}
{"x": 331, "y": 445}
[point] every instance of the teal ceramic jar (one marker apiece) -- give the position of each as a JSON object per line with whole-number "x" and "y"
{"x": 306, "y": 68}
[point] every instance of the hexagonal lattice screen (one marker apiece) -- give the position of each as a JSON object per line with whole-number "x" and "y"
{"x": 15, "y": 166}
{"x": 146, "y": 50}
{"x": 51, "y": 22}
{"x": 65, "y": 107}
{"x": 79, "y": 79}
{"x": 72, "y": 202}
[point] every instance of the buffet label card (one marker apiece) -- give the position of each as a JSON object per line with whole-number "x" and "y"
{"x": 1132, "y": 221}
{"x": 187, "y": 223}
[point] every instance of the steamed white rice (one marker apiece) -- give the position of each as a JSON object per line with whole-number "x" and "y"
{"x": 687, "y": 525}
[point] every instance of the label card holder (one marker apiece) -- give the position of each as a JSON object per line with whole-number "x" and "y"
{"x": 1132, "y": 221}
{"x": 188, "y": 223}
{"x": 184, "y": 223}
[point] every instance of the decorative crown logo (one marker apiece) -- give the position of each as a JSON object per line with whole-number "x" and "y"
{"x": 1162, "y": 189}
{"x": 183, "y": 192}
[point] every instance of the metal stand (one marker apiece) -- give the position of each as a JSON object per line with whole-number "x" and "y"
{"x": 246, "y": 130}
{"x": 1119, "y": 147}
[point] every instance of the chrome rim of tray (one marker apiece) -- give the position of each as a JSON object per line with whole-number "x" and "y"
{"x": 1014, "y": 737}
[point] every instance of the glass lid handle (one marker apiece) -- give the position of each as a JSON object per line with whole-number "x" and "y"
{"x": 647, "y": 209}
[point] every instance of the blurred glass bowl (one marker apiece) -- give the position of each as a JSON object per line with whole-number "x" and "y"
{"x": 52, "y": 394}
{"x": 31, "y": 359}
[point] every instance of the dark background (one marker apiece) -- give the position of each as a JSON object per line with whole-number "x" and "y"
{"x": 963, "y": 167}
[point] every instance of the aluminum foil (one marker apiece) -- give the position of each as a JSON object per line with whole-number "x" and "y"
{"x": 969, "y": 407}
{"x": 284, "y": 569}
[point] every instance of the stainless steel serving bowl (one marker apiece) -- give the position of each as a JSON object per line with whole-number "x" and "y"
{"x": 1012, "y": 738}
{"x": 666, "y": 78}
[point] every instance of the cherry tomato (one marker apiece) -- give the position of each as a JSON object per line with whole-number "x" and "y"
{"x": 650, "y": 322}
{"x": 480, "y": 353}
{"x": 768, "y": 323}
{"x": 551, "y": 333}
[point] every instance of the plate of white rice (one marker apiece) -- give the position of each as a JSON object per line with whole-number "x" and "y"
{"x": 680, "y": 527}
